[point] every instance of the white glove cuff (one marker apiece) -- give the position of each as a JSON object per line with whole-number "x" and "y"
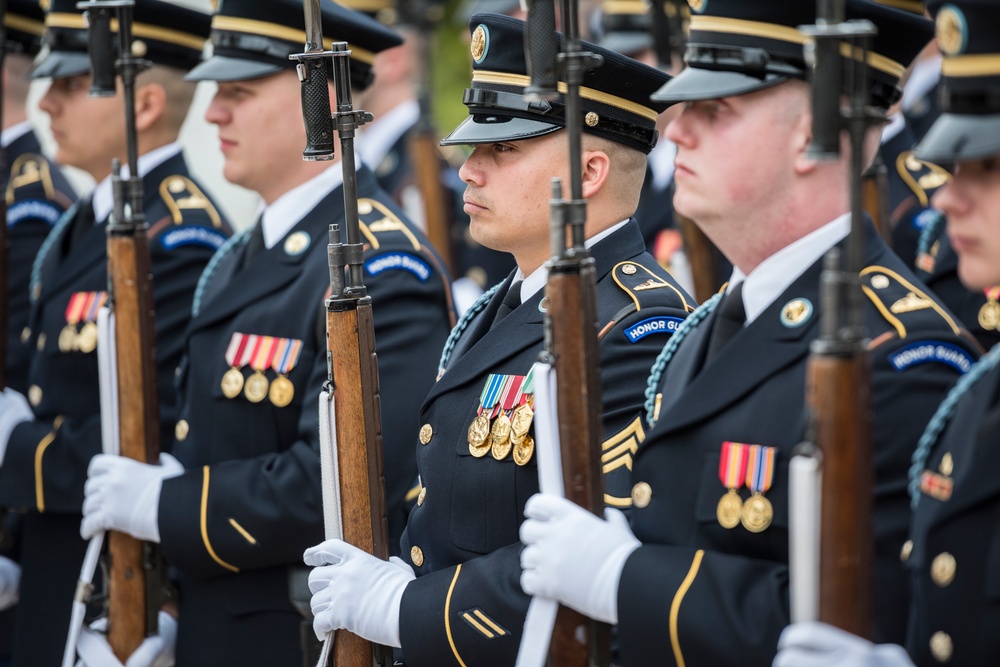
{"x": 15, "y": 411}
{"x": 604, "y": 594}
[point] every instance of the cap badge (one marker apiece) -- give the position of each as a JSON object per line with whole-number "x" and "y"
{"x": 139, "y": 48}
{"x": 952, "y": 30}
{"x": 591, "y": 119}
{"x": 480, "y": 43}
{"x": 796, "y": 312}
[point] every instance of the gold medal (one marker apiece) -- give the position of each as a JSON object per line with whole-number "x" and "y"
{"x": 500, "y": 435}
{"x": 729, "y": 508}
{"x": 484, "y": 449}
{"x": 479, "y": 430}
{"x": 989, "y": 315}
{"x": 67, "y": 338}
{"x": 255, "y": 388}
{"x": 282, "y": 391}
{"x": 87, "y": 340}
{"x": 520, "y": 423}
{"x": 757, "y": 513}
{"x": 524, "y": 450}
{"x": 232, "y": 383}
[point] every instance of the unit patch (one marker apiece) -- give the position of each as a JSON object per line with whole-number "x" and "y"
{"x": 652, "y": 325}
{"x": 33, "y": 209}
{"x": 931, "y": 351}
{"x": 399, "y": 260}
{"x": 192, "y": 235}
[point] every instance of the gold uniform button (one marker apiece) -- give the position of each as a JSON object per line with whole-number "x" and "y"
{"x": 417, "y": 556}
{"x": 642, "y": 493}
{"x": 25, "y": 335}
{"x": 181, "y": 430}
{"x": 941, "y": 646}
{"x": 904, "y": 553}
{"x": 40, "y": 343}
{"x": 422, "y": 496}
{"x": 943, "y": 569}
{"x": 426, "y": 432}
{"x": 35, "y": 395}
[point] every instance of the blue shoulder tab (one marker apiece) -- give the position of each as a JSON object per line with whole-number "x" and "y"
{"x": 33, "y": 209}
{"x": 403, "y": 261}
{"x": 928, "y": 351}
{"x": 199, "y": 235}
{"x": 652, "y": 325}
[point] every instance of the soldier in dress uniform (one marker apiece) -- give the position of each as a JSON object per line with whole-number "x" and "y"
{"x": 48, "y": 439}
{"x": 235, "y": 523}
{"x": 454, "y": 598}
{"x": 702, "y": 575}
{"x": 954, "y": 541}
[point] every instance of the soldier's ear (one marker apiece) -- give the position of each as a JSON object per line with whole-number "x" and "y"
{"x": 596, "y": 170}
{"x": 150, "y": 105}
{"x": 801, "y": 137}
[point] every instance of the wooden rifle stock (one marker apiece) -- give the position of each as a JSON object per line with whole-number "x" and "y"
{"x": 426, "y": 169}
{"x": 875, "y": 194}
{"x": 351, "y": 345}
{"x": 702, "y": 257}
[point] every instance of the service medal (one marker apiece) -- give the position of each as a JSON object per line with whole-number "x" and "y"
{"x": 255, "y": 388}
{"x": 87, "y": 339}
{"x": 232, "y": 383}
{"x": 67, "y": 338}
{"x": 757, "y": 510}
{"x": 732, "y": 472}
{"x": 757, "y": 513}
{"x": 282, "y": 391}
{"x": 479, "y": 431}
{"x": 989, "y": 313}
{"x": 500, "y": 437}
{"x": 520, "y": 423}
{"x": 524, "y": 450}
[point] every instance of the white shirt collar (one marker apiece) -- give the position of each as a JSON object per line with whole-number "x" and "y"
{"x": 897, "y": 122}
{"x": 381, "y": 135}
{"x": 773, "y": 276}
{"x": 287, "y": 210}
{"x": 536, "y": 281}
{"x": 103, "y": 198}
{"x": 924, "y": 76}
{"x": 15, "y": 132}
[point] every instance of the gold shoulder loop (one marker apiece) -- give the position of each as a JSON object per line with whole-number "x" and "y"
{"x": 921, "y": 176}
{"x": 376, "y": 218}
{"x": 633, "y": 277}
{"x": 180, "y": 193}
{"x": 895, "y": 297}
{"x": 29, "y": 168}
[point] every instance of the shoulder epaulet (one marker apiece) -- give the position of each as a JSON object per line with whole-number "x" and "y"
{"x": 905, "y": 306}
{"x": 378, "y": 220}
{"x": 639, "y": 282}
{"x": 29, "y": 169}
{"x": 181, "y": 195}
{"x": 922, "y": 177}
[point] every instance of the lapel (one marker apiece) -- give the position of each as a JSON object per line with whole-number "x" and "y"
{"x": 270, "y": 271}
{"x": 89, "y": 251}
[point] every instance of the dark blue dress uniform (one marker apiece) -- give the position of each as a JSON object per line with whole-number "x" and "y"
{"x": 46, "y": 462}
{"x": 235, "y": 525}
{"x": 698, "y": 592}
{"x": 466, "y": 606}
{"x": 952, "y": 558}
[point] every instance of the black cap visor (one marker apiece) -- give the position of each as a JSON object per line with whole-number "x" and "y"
{"x": 490, "y": 128}
{"x": 227, "y": 68}
{"x": 961, "y": 137}
{"x": 695, "y": 83}
{"x": 61, "y": 65}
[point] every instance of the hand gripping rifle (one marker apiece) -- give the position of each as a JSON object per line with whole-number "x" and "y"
{"x": 135, "y": 572}
{"x": 837, "y": 383}
{"x": 353, "y": 486}
{"x": 571, "y": 320}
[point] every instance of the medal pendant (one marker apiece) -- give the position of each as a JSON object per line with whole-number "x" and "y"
{"x": 255, "y": 388}
{"x": 67, "y": 338}
{"x": 757, "y": 513}
{"x": 282, "y": 391}
{"x": 520, "y": 423}
{"x": 524, "y": 450}
{"x": 989, "y": 315}
{"x": 479, "y": 430}
{"x": 500, "y": 436}
{"x": 729, "y": 508}
{"x": 482, "y": 450}
{"x": 87, "y": 340}
{"x": 232, "y": 383}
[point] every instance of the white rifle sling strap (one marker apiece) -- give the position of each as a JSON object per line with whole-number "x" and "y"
{"x": 805, "y": 474}
{"x": 330, "y": 479}
{"x": 541, "y": 617}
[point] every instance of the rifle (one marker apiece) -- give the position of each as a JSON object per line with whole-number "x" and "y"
{"x": 4, "y": 241}
{"x": 837, "y": 388}
{"x": 423, "y": 140}
{"x": 135, "y": 570}
{"x": 875, "y": 184}
{"x": 352, "y": 385}
{"x": 703, "y": 257}
{"x": 571, "y": 320}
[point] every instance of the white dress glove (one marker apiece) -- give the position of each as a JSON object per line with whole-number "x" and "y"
{"x": 124, "y": 495}
{"x": 355, "y": 591}
{"x": 14, "y": 409}
{"x": 574, "y": 557}
{"x": 814, "y": 644}
{"x": 155, "y": 651}
{"x": 10, "y": 583}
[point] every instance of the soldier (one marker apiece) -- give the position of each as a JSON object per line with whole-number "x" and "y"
{"x": 235, "y": 523}
{"x": 46, "y": 447}
{"x": 454, "y": 598}
{"x": 705, "y": 561}
{"x": 953, "y": 546}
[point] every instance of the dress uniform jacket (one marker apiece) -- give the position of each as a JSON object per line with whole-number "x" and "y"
{"x": 956, "y": 538}
{"x": 46, "y": 462}
{"x": 37, "y": 193}
{"x": 236, "y": 523}
{"x": 943, "y": 280}
{"x": 697, "y": 593}
{"x": 466, "y": 606}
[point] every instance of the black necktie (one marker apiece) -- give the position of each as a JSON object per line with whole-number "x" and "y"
{"x": 729, "y": 318}
{"x": 82, "y": 223}
{"x": 255, "y": 243}
{"x": 511, "y": 300}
